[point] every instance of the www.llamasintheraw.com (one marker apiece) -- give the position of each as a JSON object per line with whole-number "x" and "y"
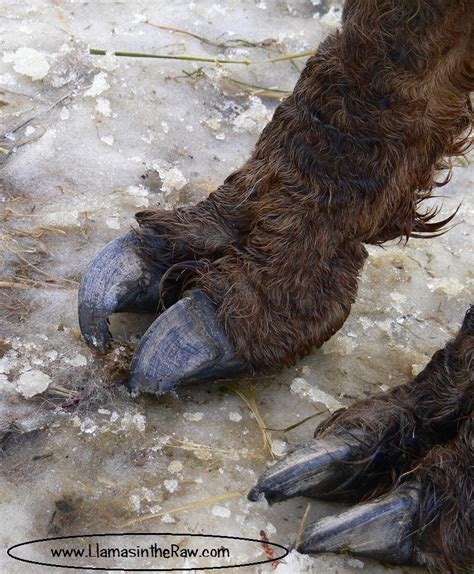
{"x": 151, "y": 551}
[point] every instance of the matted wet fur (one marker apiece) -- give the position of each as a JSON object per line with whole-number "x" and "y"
{"x": 346, "y": 159}
{"x": 445, "y": 536}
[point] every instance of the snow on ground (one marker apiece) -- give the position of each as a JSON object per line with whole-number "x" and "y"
{"x": 89, "y": 140}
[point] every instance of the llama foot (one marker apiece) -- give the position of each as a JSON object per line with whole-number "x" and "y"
{"x": 356, "y": 452}
{"x": 413, "y": 445}
{"x": 117, "y": 280}
{"x": 184, "y": 344}
{"x": 324, "y": 468}
{"x": 382, "y": 529}
{"x": 426, "y": 519}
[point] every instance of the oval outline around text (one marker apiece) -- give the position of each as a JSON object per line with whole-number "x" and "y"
{"x": 171, "y": 534}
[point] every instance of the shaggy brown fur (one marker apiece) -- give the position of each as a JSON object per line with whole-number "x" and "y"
{"x": 402, "y": 424}
{"x": 346, "y": 159}
{"x": 445, "y": 538}
{"x": 424, "y": 429}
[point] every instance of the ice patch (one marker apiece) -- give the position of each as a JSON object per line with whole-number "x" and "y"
{"x": 109, "y": 62}
{"x": 295, "y": 562}
{"x": 171, "y": 485}
{"x": 279, "y": 447}
{"x": 137, "y": 190}
{"x": 102, "y": 107}
{"x": 450, "y": 286}
{"x": 172, "y": 179}
{"x": 68, "y": 218}
{"x": 112, "y": 223}
{"x": 385, "y": 325}
{"x": 114, "y": 416}
{"x": 109, "y": 140}
{"x": 8, "y": 362}
{"x": 355, "y": 563}
{"x": 175, "y": 466}
{"x": 88, "y": 426}
{"x": 3, "y": 380}
{"x": 221, "y": 511}
{"x": 29, "y": 62}
{"x": 399, "y": 301}
{"x": 137, "y": 421}
{"x": 332, "y": 19}
{"x": 33, "y": 383}
{"x": 216, "y": 10}
{"x": 234, "y": 416}
{"x": 193, "y": 416}
{"x": 304, "y": 389}
{"x": 340, "y": 345}
{"x": 366, "y": 323}
{"x": 270, "y": 529}
{"x": 138, "y": 194}
{"x": 99, "y": 85}
{"x": 77, "y": 361}
{"x": 135, "y": 502}
{"x": 214, "y": 121}
{"x": 255, "y": 118}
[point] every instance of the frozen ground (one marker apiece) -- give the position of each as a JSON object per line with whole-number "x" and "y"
{"x": 89, "y": 140}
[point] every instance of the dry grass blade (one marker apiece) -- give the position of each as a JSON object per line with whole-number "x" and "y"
{"x": 250, "y": 401}
{"x": 231, "y": 43}
{"x": 37, "y": 232}
{"x": 261, "y": 91}
{"x": 13, "y": 285}
{"x": 302, "y": 525}
{"x": 59, "y": 391}
{"x": 8, "y": 210}
{"x": 186, "y": 33}
{"x": 56, "y": 280}
{"x": 185, "y": 444}
{"x": 190, "y": 506}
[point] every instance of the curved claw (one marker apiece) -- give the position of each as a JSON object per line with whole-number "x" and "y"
{"x": 382, "y": 529}
{"x": 320, "y": 469}
{"x": 184, "y": 344}
{"x": 116, "y": 280}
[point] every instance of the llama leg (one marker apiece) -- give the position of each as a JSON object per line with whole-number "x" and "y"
{"x": 426, "y": 519}
{"x": 364, "y": 449}
{"x": 347, "y": 158}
